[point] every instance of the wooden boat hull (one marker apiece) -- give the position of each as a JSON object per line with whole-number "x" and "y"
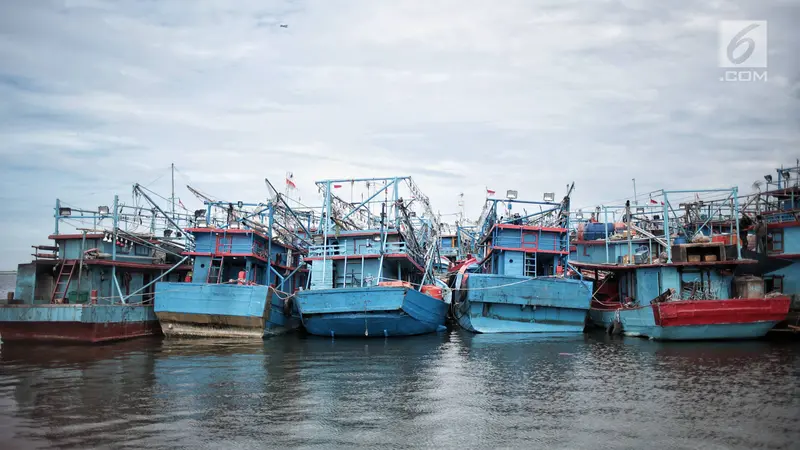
{"x": 509, "y": 304}
{"x": 87, "y": 324}
{"x": 223, "y": 311}
{"x": 698, "y": 319}
{"x": 370, "y": 311}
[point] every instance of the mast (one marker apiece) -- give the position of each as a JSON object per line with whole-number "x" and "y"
{"x": 172, "y": 198}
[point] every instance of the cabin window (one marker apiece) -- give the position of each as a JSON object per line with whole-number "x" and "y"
{"x": 773, "y": 284}
{"x": 141, "y": 250}
{"x": 775, "y": 241}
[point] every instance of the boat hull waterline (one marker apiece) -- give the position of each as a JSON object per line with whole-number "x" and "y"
{"x": 697, "y": 319}
{"x": 370, "y": 311}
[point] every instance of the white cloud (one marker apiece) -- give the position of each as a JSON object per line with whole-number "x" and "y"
{"x": 459, "y": 94}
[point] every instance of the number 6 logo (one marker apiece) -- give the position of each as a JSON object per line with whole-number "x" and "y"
{"x": 738, "y": 40}
{"x": 743, "y": 43}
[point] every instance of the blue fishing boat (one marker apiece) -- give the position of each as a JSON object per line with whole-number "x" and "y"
{"x": 520, "y": 284}
{"x": 95, "y": 282}
{"x": 372, "y": 263}
{"x": 778, "y": 206}
{"x": 248, "y": 263}
{"x": 679, "y": 285}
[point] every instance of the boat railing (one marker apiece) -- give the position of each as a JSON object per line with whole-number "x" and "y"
{"x": 781, "y": 217}
{"x": 448, "y": 251}
{"x": 349, "y": 250}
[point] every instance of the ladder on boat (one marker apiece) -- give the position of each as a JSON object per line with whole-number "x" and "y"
{"x": 215, "y": 269}
{"x": 62, "y": 281}
{"x": 530, "y": 264}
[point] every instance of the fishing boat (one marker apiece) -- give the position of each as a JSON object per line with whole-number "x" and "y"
{"x": 521, "y": 283}
{"x": 248, "y": 263}
{"x": 778, "y": 204}
{"x": 94, "y": 283}
{"x": 682, "y": 284}
{"x": 372, "y": 263}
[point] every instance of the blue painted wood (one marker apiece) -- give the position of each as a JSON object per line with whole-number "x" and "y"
{"x": 204, "y": 306}
{"x": 791, "y": 282}
{"x": 602, "y": 318}
{"x": 370, "y": 311}
{"x": 507, "y": 304}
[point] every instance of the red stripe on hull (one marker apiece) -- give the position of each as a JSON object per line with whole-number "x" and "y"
{"x": 715, "y": 312}
{"x": 76, "y": 332}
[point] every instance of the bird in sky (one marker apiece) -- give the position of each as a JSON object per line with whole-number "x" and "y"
{"x": 284, "y": 25}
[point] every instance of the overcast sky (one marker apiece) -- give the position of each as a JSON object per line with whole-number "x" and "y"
{"x": 460, "y": 94}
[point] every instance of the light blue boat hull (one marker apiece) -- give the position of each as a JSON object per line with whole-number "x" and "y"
{"x": 641, "y": 322}
{"x": 510, "y": 304}
{"x": 370, "y": 311}
{"x": 222, "y": 310}
{"x": 601, "y": 318}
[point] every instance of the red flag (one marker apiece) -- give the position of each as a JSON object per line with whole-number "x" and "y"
{"x": 290, "y": 183}
{"x": 489, "y": 191}
{"x": 337, "y": 186}
{"x": 181, "y": 203}
{"x": 655, "y": 202}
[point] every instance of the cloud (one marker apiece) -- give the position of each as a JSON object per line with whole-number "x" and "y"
{"x": 459, "y": 94}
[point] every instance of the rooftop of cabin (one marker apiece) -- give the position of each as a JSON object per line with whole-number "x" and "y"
{"x": 610, "y": 267}
{"x": 511, "y": 230}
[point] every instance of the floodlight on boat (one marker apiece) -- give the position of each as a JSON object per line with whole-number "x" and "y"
{"x": 639, "y": 210}
{"x": 64, "y": 211}
{"x": 786, "y": 175}
{"x": 511, "y": 194}
{"x": 198, "y": 213}
{"x": 579, "y": 214}
{"x": 167, "y": 233}
{"x": 107, "y": 237}
{"x": 549, "y": 196}
{"x": 102, "y": 210}
{"x": 202, "y": 223}
{"x": 768, "y": 178}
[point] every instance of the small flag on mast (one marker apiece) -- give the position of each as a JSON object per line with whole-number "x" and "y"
{"x": 337, "y": 186}
{"x": 489, "y": 191}
{"x": 289, "y": 180}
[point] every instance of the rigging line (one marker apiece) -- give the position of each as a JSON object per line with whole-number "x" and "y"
{"x": 157, "y": 178}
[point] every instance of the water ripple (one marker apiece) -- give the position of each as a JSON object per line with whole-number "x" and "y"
{"x": 449, "y": 390}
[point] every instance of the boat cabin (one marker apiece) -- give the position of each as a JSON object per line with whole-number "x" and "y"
{"x": 525, "y": 250}
{"x": 79, "y": 264}
{"x": 360, "y": 258}
{"x": 245, "y": 256}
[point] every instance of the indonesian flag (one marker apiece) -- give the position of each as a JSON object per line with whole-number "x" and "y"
{"x": 289, "y": 182}
{"x": 489, "y": 191}
{"x": 655, "y": 202}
